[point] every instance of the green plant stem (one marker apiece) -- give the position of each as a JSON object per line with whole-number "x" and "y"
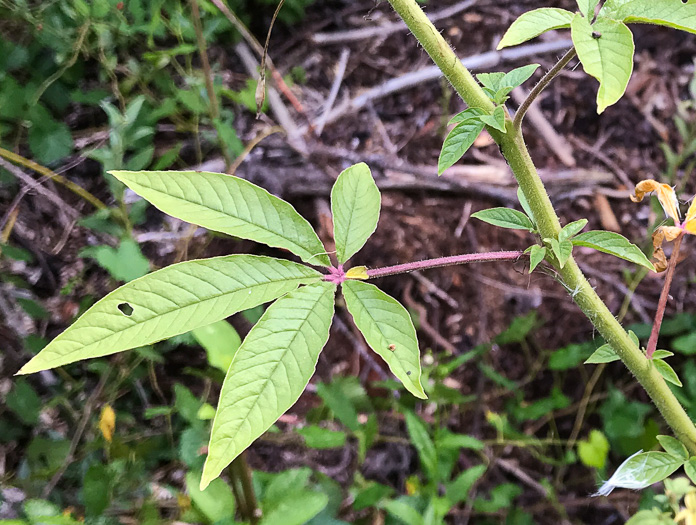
{"x": 242, "y": 472}
{"x": 515, "y": 152}
{"x": 543, "y": 83}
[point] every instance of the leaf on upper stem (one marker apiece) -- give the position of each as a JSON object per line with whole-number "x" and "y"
{"x": 603, "y": 354}
{"x": 669, "y": 13}
{"x": 525, "y": 205}
{"x": 169, "y": 302}
{"x": 230, "y": 205}
{"x": 458, "y": 142}
{"x": 690, "y": 469}
{"x": 536, "y": 255}
{"x": 613, "y": 244}
{"x": 505, "y": 218}
{"x": 496, "y": 120}
{"x": 467, "y": 114}
{"x": 355, "y": 204}
{"x": 674, "y": 447}
{"x": 587, "y": 7}
{"x": 640, "y": 471}
{"x": 667, "y": 372}
{"x": 605, "y": 50}
{"x": 534, "y": 23}
{"x": 572, "y": 229}
{"x": 269, "y": 372}
{"x": 561, "y": 249}
{"x": 388, "y": 330}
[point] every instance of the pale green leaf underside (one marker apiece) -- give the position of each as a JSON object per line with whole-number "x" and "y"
{"x": 355, "y": 203}
{"x": 587, "y": 7}
{"x": 605, "y": 50}
{"x": 269, "y": 372}
{"x": 534, "y": 23}
{"x": 172, "y": 301}
{"x": 613, "y": 244}
{"x": 230, "y": 205}
{"x": 388, "y": 330}
{"x": 458, "y": 142}
{"x": 670, "y": 13}
{"x": 647, "y": 468}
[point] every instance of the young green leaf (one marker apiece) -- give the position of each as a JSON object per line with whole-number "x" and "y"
{"x": 525, "y": 205}
{"x": 667, "y": 372}
{"x": 228, "y": 205}
{"x": 641, "y": 470}
{"x": 269, "y": 372}
{"x": 634, "y": 338}
{"x": 518, "y": 76}
{"x": 492, "y": 81}
{"x": 355, "y": 203}
{"x": 613, "y": 244}
{"x": 388, "y": 330}
{"x": 296, "y": 508}
{"x": 670, "y": 13}
{"x": 662, "y": 354}
{"x": 605, "y": 50}
{"x": 533, "y": 23}
{"x": 674, "y": 447}
{"x": 561, "y": 249}
{"x": 467, "y": 114}
{"x": 690, "y": 469}
{"x": 536, "y": 255}
{"x": 603, "y": 354}
{"x": 572, "y": 229}
{"x": 169, "y": 302}
{"x": 420, "y": 438}
{"x": 505, "y": 218}
{"x": 587, "y": 8}
{"x": 496, "y": 120}
{"x": 458, "y": 142}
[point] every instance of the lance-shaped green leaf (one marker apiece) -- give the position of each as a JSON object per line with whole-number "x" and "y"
{"x": 667, "y": 372}
{"x": 587, "y": 7}
{"x": 505, "y": 218}
{"x": 613, "y": 244}
{"x": 571, "y": 229}
{"x": 172, "y": 301}
{"x": 388, "y": 330}
{"x": 496, "y": 120}
{"x": 671, "y": 13}
{"x": 467, "y": 114}
{"x": 641, "y": 470}
{"x": 603, "y": 354}
{"x": 269, "y": 372}
{"x": 674, "y": 447}
{"x": 534, "y": 23}
{"x": 690, "y": 469}
{"x": 605, "y": 50}
{"x": 561, "y": 249}
{"x": 458, "y": 142}
{"x": 230, "y": 205}
{"x": 536, "y": 255}
{"x": 355, "y": 203}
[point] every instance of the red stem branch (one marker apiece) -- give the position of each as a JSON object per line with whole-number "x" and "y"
{"x": 444, "y": 261}
{"x": 652, "y": 342}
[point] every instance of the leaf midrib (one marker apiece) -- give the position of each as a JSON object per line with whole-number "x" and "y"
{"x": 298, "y": 247}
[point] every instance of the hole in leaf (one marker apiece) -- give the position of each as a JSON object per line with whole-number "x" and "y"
{"x": 125, "y": 309}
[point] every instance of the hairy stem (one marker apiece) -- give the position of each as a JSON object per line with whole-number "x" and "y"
{"x": 443, "y": 261}
{"x": 515, "y": 152}
{"x": 543, "y": 84}
{"x": 664, "y": 296}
